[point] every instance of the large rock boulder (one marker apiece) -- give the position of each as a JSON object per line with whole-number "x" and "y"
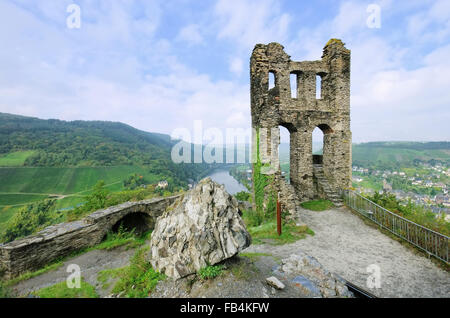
{"x": 202, "y": 228}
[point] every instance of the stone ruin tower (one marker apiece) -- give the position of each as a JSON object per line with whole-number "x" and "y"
{"x": 311, "y": 176}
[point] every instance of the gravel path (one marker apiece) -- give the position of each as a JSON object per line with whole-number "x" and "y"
{"x": 346, "y": 246}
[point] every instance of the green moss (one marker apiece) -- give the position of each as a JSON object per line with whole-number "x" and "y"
{"x": 317, "y": 205}
{"x": 331, "y": 41}
{"x": 61, "y": 290}
{"x": 260, "y": 184}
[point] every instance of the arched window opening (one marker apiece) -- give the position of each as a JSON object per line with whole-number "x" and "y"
{"x": 271, "y": 80}
{"x": 284, "y": 154}
{"x": 317, "y": 145}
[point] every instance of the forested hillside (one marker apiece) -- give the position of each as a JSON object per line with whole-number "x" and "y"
{"x": 80, "y": 143}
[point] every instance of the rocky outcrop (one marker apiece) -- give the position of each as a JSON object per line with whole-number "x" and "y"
{"x": 311, "y": 277}
{"x": 203, "y": 228}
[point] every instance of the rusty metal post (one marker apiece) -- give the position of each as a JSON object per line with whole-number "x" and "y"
{"x": 278, "y": 215}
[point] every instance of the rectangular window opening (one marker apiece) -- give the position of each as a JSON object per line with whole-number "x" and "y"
{"x": 318, "y": 87}
{"x": 271, "y": 80}
{"x": 294, "y": 85}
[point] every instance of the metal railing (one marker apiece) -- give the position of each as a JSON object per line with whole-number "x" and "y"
{"x": 431, "y": 242}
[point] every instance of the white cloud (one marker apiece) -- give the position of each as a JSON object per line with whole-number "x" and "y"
{"x": 236, "y": 65}
{"x": 190, "y": 34}
{"x": 248, "y": 22}
{"x": 432, "y": 24}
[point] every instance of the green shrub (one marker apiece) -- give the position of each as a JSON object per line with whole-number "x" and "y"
{"x": 242, "y": 196}
{"x": 210, "y": 272}
{"x": 30, "y": 219}
{"x": 412, "y": 212}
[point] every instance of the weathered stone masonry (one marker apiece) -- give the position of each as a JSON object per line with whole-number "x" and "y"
{"x": 35, "y": 251}
{"x": 271, "y": 108}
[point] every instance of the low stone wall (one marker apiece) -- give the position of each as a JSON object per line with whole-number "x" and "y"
{"x": 35, "y": 251}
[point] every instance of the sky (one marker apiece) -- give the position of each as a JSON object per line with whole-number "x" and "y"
{"x": 160, "y": 65}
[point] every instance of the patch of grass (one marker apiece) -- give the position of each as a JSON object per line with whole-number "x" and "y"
{"x": 244, "y": 270}
{"x": 134, "y": 281}
{"x": 4, "y": 291}
{"x": 210, "y": 272}
{"x": 318, "y": 205}
{"x": 267, "y": 233}
{"x": 61, "y": 290}
{"x": 254, "y": 256}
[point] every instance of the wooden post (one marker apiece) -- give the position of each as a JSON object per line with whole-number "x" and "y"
{"x": 278, "y": 215}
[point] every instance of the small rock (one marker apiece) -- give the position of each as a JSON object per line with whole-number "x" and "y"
{"x": 274, "y": 282}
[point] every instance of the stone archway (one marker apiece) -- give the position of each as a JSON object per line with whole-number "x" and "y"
{"x": 141, "y": 222}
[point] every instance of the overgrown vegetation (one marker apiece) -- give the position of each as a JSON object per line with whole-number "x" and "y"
{"x": 317, "y": 205}
{"x": 243, "y": 196}
{"x": 122, "y": 238}
{"x": 31, "y": 219}
{"x": 134, "y": 281}
{"x": 61, "y": 290}
{"x": 4, "y": 290}
{"x": 210, "y": 271}
{"x": 261, "y": 182}
{"x": 411, "y": 211}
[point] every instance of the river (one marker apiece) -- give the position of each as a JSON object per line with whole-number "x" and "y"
{"x": 231, "y": 184}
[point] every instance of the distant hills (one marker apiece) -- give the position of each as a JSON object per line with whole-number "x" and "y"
{"x": 400, "y": 153}
{"x": 390, "y": 154}
{"x": 80, "y": 143}
{"x": 70, "y": 156}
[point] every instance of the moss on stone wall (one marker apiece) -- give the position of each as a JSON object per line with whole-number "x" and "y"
{"x": 260, "y": 184}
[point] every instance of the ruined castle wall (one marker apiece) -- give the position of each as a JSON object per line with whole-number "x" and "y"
{"x": 36, "y": 251}
{"x": 271, "y": 108}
